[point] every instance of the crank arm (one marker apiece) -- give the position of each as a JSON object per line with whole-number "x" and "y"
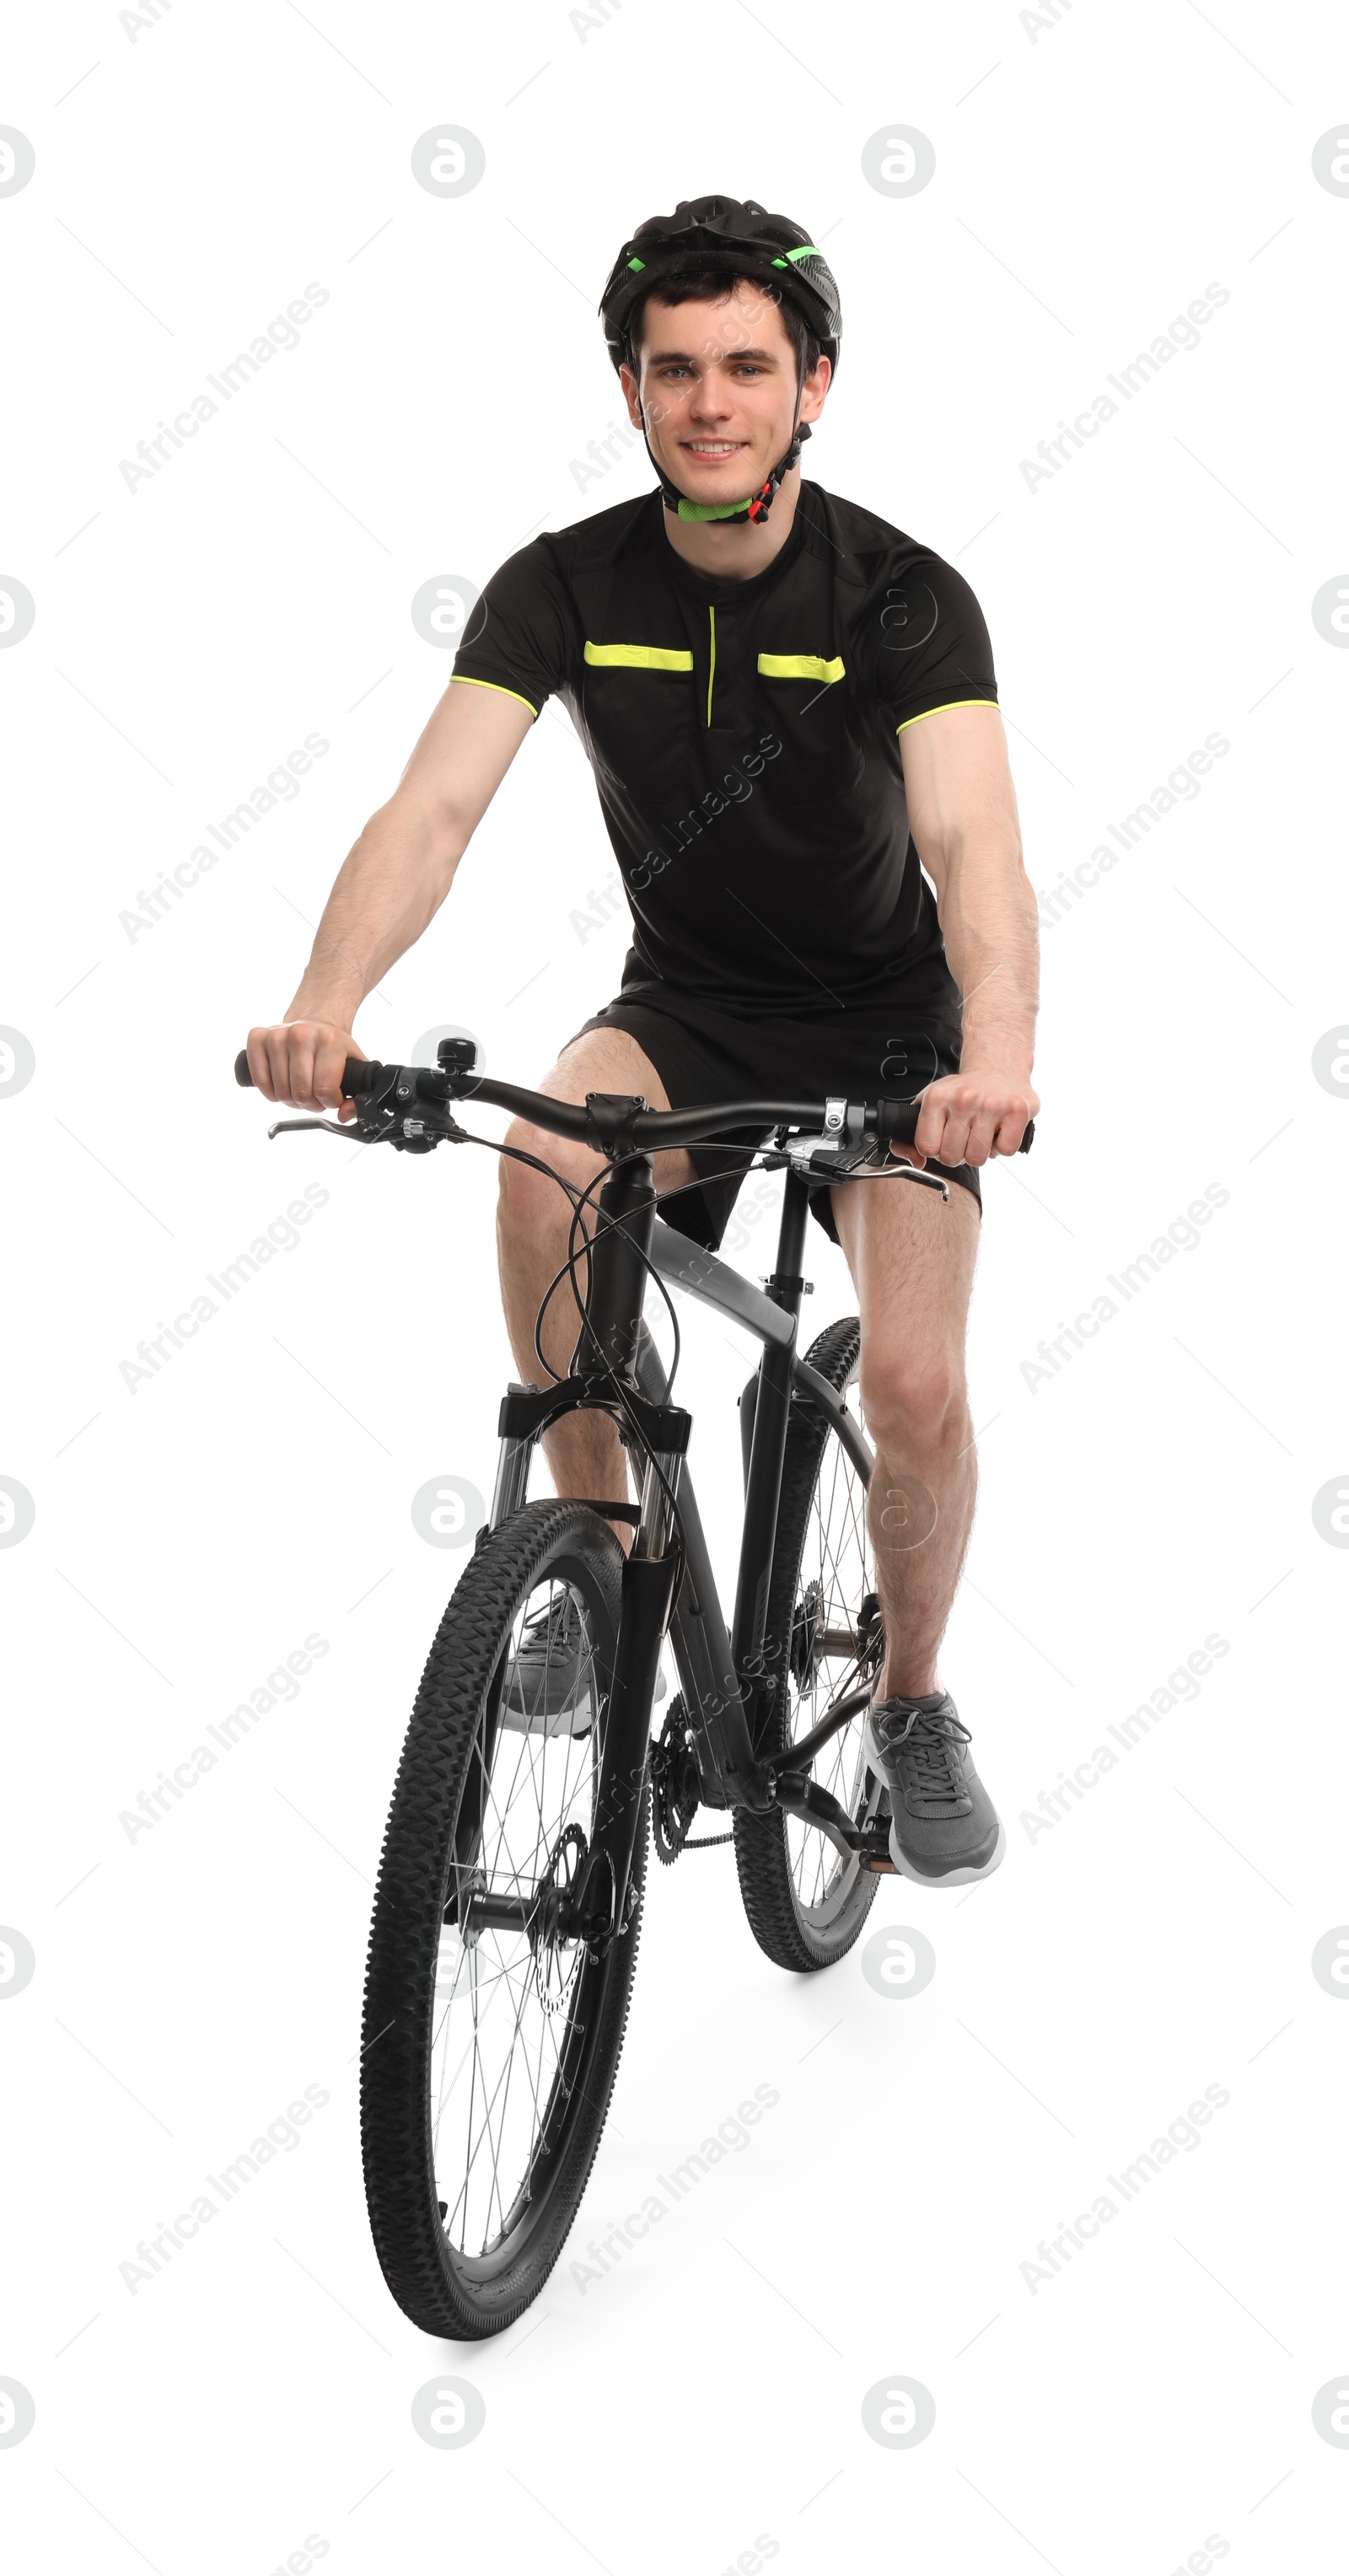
{"x": 814, "y": 1806}
{"x": 798, "y": 1757}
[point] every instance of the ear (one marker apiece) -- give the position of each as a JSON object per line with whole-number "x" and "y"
{"x": 815, "y": 388}
{"x": 628, "y": 382}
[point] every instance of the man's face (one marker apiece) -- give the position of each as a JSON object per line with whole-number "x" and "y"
{"x": 719, "y": 386}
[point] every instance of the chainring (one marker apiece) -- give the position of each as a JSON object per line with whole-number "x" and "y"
{"x": 675, "y": 1786}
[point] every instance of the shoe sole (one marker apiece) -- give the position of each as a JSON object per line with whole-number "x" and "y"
{"x": 518, "y": 1720}
{"x": 962, "y": 1876}
{"x": 576, "y": 1721}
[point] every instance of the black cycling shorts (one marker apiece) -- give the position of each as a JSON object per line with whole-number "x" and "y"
{"x": 705, "y": 1053}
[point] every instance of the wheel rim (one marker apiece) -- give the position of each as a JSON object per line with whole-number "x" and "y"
{"x": 833, "y": 1648}
{"x": 514, "y": 2007}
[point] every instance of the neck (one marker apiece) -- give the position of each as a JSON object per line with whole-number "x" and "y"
{"x": 736, "y": 549}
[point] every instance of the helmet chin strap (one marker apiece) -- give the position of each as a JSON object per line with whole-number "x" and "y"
{"x": 756, "y": 508}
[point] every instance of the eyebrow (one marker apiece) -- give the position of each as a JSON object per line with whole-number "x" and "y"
{"x": 682, "y": 357}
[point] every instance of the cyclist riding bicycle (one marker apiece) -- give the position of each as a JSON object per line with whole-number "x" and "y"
{"x": 791, "y": 713}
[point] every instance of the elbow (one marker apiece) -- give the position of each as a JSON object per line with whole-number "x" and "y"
{"x": 433, "y": 827}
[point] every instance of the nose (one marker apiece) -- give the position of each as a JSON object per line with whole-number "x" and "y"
{"x": 712, "y": 400}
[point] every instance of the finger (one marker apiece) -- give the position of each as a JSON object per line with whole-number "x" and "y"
{"x": 330, "y": 1055}
{"x": 278, "y": 1042}
{"x": 260, "y": 1065}
{"x": 931, "y": 1127}
{"x": 938, "y": 1130}
{"x": 1011, "y": 1127}
{"x": 300, "y": 1056}
{"x": 979, "y": 1140}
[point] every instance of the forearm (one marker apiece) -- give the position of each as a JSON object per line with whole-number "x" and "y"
{"x": 388, "y": 889}
{"x": 990, "y": 926}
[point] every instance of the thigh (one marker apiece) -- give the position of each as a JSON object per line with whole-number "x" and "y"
{"x": 610, "y": 1059}
{"x": 912, "y": 1257}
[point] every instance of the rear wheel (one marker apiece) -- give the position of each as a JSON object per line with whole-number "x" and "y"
{"x": 489, "y": 2049}
{"x": 805, "y": 1903}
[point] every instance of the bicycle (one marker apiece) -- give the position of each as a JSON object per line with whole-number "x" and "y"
{"x": 514, "y": 1860}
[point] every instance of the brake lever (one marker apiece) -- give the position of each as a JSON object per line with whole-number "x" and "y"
{"x": 292, "y": 1126}
{"x": 902, "y": 1171}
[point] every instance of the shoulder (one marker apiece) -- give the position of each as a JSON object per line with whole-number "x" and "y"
{"x": 915, "y": 636}
{"x": 873, "y": 554}
{"x": 550, "y": 564}
{"x": 605, "y": 538}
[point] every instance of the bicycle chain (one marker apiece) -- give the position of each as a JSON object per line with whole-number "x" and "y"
{"x": 676, "y": 1790}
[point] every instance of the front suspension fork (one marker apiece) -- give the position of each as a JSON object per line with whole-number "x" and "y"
{"x": 601, "y": 1902}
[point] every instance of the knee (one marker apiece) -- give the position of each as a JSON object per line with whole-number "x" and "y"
{"x": 914, "y": 1401}
{"x": 529, "y": 1200}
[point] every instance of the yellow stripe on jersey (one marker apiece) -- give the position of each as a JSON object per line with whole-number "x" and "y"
{"x": 941, "y": 711}
{"x": 799, "y": 666}
{"x": 637, "y": 657}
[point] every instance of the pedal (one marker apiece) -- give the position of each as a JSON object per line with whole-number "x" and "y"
{"x": 875, "y": 1854}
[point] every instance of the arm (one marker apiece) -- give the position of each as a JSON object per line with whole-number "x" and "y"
{"x": 962, "y": 813}
{"x": 387, "y": 890}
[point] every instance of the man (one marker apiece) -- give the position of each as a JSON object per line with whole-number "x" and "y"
{"x": 788, "y": 705}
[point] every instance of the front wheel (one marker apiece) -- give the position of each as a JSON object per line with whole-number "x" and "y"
{"x": 489, "y": 2048}
{"x": 805, "y": 1903}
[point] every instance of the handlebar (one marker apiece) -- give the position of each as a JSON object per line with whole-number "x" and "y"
{"x": 890, "y": 1121}
{"x": 358, "y": 1076}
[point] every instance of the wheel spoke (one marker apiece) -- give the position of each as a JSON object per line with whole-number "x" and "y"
{"x": 525, "y": 1789}
{"x": 836, "y": 1574}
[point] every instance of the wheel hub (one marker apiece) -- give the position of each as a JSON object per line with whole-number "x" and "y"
{"x": 556, "y": 1952}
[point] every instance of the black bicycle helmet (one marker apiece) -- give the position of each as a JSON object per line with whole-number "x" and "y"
{"x": 745, "y": 241}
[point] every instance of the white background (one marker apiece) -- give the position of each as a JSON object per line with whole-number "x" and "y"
{"x": 1092, "y": 176}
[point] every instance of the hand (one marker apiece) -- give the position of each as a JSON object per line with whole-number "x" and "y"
{"x": 300, "y": 1063}
{"x": 969, "y": 1116}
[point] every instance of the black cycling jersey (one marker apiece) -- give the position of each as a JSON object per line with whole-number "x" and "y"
{"x": 745, "y": 739}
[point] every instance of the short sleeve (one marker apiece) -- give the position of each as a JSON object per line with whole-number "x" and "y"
{"x": 932, "y": 646}
{"x": 518, "y": 637}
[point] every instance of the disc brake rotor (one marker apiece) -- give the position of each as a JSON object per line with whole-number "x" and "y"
{"x": 556, "y": 1959}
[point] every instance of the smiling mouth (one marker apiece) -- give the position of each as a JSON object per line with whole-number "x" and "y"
{"x": 713, "y": 450}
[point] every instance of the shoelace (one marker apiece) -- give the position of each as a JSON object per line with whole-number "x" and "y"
{"x": 558, "y": 1623}
{"x": 931, "y": 1740}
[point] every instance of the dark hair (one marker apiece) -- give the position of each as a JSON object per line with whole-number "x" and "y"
{"x": 699, "y": 285}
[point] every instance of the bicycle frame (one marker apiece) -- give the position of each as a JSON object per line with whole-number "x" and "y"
{"x": 722, "y": 1675}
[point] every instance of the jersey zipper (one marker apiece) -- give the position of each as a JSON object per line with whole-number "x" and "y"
{"x": 712, "y": 665}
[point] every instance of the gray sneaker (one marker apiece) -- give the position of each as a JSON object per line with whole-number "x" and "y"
{"x": 550, "y": 1687}
{"x": 944, "y": 1828}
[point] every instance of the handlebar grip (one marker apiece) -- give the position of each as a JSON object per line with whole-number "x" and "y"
{"x": 358, "y": 1077}
{"x": 899, "y": 1122}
